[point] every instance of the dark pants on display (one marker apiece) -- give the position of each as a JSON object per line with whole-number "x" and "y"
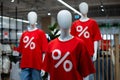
{"x": 107, "y": 69}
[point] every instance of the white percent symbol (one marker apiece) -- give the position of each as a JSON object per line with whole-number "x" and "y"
{"x": 58, "y": 53}
{"x": 83, "y": 31}
{"x": 29, "y": 42}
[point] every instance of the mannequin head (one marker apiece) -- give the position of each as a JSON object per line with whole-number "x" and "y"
{"x": 64, "y": 19}
{"x": 83, "y": 8}
{"x": 32, "y": 17}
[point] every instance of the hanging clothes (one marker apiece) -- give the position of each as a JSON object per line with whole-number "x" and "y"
{"x": 15, "y": 71}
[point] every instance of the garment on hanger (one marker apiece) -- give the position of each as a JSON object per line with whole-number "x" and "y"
{"x": 0, "y": 64}
{"x": 6, "y": 64}
{"x": 15, "y": 71}
{"x": 0, "y": 49}
{"x": 6, "y": 48}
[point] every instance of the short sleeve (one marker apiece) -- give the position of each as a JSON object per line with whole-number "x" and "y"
{"x": 19, "y": 48}
{"x": 86, "y": 66}
{"x": 46, "y": 62}
{"x": 96, "y": 32}
{"x": 44, "y": 42}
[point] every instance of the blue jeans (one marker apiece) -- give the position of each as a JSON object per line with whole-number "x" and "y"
{"x": 30, "y": 74}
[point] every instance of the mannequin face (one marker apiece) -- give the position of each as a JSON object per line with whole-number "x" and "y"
{"x": 83, "y": 8}
{"x": 64, "y": 19}
{"x": 32, "y": 17}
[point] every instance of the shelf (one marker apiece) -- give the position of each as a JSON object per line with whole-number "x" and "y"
{"x": 10, "y": 29}
{"x": 8, "y": 41}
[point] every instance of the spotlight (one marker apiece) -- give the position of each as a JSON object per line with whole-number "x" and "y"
{"x": 102, "y": 10}
{"x": 49, "y": 13}
{"x": 12, "y": 0}
{"x": 101, "y": 6}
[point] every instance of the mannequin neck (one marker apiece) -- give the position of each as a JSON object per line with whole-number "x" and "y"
{"x": 32, "y": 27}
{"x": 65, "y": 35}
{"x": 84, "y": 18}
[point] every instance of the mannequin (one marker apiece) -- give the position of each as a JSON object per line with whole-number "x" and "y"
{"x": 84, "y": 10}
{"x": 61, "y": 59}
{"x": 84, "y": 19}
{"x": 33, "y": 43}
{"x": 87, "y": 29}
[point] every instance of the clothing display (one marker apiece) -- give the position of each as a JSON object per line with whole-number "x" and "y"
{"x": 0, "y": 49}
{"x": 59, "y": 40}
{"x": 32, "y": 45}
{"x": 0, "y": 59}
{"x": 88, "y": 31}
{"x": 67, "y": 58}
{"x": 6, "y": 48}
{"x": 6, "y": 64}
{"x": 0, "y": 64}
{"x": 15, "y": 71}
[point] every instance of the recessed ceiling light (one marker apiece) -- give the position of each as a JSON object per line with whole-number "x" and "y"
{"x": 49, "y": 14}
{"x": 102, "y": 10}
{"x": 101, "y": 6}
{"x": 12, "y": 0}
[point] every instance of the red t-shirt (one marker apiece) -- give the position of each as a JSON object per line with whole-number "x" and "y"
{"x": 67, "y": 60}
{"x": 32, "y": 45}
{"x": 87, "y": 31}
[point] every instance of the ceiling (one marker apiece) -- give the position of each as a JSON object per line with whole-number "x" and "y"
{"x": 20, "y": 8}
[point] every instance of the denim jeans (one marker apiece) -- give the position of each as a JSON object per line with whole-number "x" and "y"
{"x": 30, "y": 74}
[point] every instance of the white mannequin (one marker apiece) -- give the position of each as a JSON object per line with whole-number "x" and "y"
{"x": 84, "y": 10}
{"x": 64, "y": 18}
{"x": 32, "y": 18}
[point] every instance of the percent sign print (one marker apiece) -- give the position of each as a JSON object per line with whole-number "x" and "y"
{"x": 58, "y": 52}
{"x": 29, "y": 42}
{"x": 83, "y": 31}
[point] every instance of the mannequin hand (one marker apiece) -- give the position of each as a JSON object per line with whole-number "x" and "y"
{"x": 94, "y": 57}
{"x": 42, "y": 73}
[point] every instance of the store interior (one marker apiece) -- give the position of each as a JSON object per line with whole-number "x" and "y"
{"x": 13, "y": 22}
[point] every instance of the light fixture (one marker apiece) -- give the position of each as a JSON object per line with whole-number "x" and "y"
{"x": 12, "y": 0}
{"x": 62, "y": 2}
{"x": 101, "y": 6}
{"x": 102, "y": 10}
{"x": 49, "y": 13}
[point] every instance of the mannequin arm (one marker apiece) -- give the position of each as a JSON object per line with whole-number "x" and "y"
{"x": 43, "y": 56}
{"x": 95, "y": 50}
